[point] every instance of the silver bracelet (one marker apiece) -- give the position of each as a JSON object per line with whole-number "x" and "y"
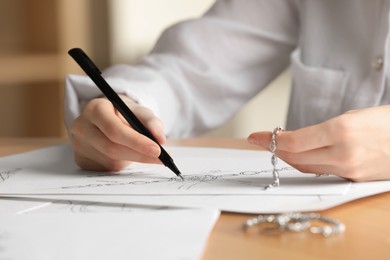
{"x": 298, "y": 222}
{"x": 274, "y": 159}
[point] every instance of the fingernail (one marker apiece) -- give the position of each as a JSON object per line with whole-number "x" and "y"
{"x": 153, "y": 151}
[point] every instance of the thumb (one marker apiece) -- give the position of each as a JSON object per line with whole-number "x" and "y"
{"x": 261, "y": 139}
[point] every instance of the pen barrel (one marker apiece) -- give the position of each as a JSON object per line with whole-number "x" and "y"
{"x": 164, "y": 157}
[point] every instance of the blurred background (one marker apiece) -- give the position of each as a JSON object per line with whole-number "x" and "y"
{"x": 35, "y": 36}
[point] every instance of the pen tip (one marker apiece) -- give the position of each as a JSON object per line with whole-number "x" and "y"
{"x": 172, "y": 166}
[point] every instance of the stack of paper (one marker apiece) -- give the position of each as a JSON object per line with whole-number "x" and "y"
{"x": 224, "y": 179}
{"x": 137, "y": 204}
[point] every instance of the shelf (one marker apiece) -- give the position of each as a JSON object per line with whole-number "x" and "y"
{"x": 29, "y": 69}
{"x": 34, "y": 39}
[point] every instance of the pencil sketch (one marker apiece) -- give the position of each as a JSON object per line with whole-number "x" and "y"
{"x": 190, "y": 181}
{"x": 6, "y": 174}
{"x": 64, "y": 206}
{"x": 201, "y": 177}
{"x": 21, "y": 206}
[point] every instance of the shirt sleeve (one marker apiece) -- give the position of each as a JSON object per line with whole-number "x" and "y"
{"x": 202, "y": 71}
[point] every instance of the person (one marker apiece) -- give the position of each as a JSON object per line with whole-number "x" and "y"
{"x": 204, "y": 70}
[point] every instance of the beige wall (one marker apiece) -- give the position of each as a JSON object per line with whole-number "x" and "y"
{"x": 135, "y": 26}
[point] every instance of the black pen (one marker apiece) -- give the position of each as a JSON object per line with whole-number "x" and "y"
{"x": 94, "y": 73}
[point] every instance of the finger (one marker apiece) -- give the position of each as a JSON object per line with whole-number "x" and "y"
{"x": 262, "y": 139}
{"x": 326, "y": 169}
{"x": 88, "y": 164}
{"x": 304, "y": 139}
{"x": 113, "y": 128}
{"x": 349, "y": 174}
{"x": 322, "y": 160}
{"x": 156, "y": 129}
{"x": 88, "y": 139}
{"x": 154, "y": 125}
{"x": 90, "y": 158}
{"x": 98, "y": 141}
{"x": 324, "y": 156}
{"x": 318, "y": 169}
{"x": 150, "y": 121}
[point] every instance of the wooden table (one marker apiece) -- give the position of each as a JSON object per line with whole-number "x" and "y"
{"x": 367, "y": 222}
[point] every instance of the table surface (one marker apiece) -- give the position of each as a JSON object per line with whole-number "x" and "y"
{"x": 367, "y": 233}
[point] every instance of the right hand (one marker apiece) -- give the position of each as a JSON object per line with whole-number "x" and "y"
{"x": 102, "y": 140}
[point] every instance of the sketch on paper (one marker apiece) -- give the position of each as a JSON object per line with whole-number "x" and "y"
{"x": 19, "y": 206}
{"x": 6, "y": 174}
{"x": 64, "y": 206}
{"x": 205, "y": 172}
{"x": 212, "y": 182}
{"x": 190, "y": 181}
{"x": 158, "y": 181}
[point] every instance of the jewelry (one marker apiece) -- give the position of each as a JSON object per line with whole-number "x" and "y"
{"x": 282, "y": 222}
{"x": 298, "y": 222}
{"x": 295, "y": 222}
{"x": 274, "y": 158}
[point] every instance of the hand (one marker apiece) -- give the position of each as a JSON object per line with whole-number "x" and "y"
{"x": 102, "y": 140}
{"x": 354, "y": 145}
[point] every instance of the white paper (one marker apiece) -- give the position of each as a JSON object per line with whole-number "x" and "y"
{"x": 254, "y": 204}
{"x": 206, "y": 171}
{"x": 58, "y": 158}
{"x": 43, "y": 205}
{"x": 173, "y": 234}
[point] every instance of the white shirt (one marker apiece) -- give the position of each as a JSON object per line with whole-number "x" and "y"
{"x": 203, "y": 71}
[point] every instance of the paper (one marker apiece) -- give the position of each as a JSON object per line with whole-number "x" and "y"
{"x": 206, "y": 171}
{"x": 58, "y": 160}
{"x": 173, "y": 234}
{"x": 41, "y": 205}
{"x": 254, "y": 204}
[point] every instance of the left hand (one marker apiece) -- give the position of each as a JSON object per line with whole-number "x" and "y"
{"x": 354, "y": 145}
